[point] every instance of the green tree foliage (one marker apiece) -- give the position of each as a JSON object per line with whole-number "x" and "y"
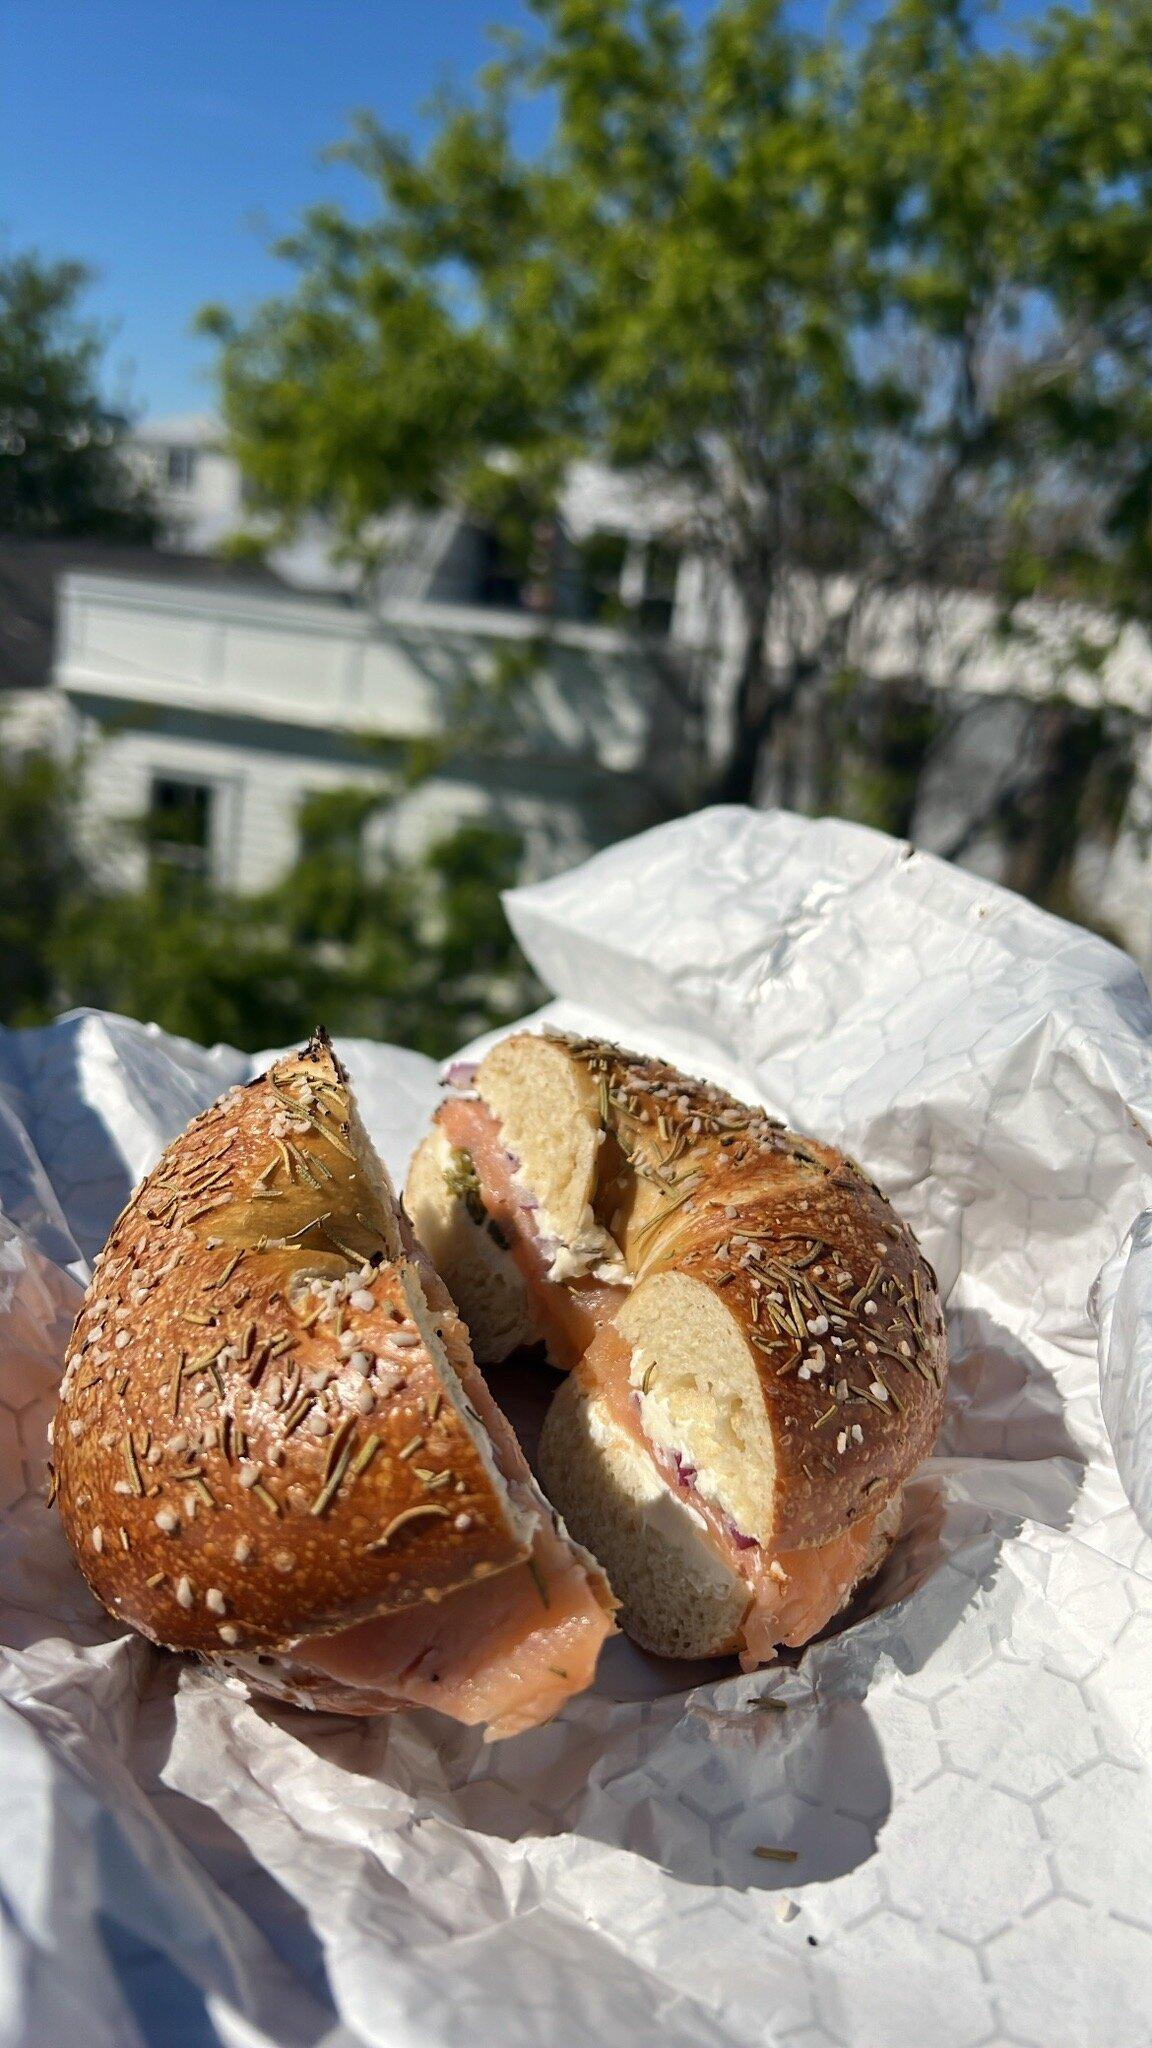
{"x": 413, "y": 950}
{"x": 417, "y": 951}
{"x": 878, "y": 304}
{"x": 62, "y": 471}
{"x": 39, "y": 877}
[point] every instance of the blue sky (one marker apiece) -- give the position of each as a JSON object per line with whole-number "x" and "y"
{"x": 163, "y": 141}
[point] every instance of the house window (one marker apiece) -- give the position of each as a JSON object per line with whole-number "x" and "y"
{"x": 602, "y": 558}
{"x": 180, "y": 468}
{"x": 658, "y": 603}
{"x": 500, "y": 577}
{"x": 179, "y": 826}
{"x": 629, "y": 582}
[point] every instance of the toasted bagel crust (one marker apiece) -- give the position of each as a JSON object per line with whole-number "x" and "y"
{"x": 243, "y": 1460}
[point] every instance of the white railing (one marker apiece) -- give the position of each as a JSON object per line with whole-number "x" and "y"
{"x": 315, "y": 663}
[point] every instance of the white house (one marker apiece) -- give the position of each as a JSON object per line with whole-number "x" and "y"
{"x": 196, "y": 488}
{"x": 222, "y": 710}
{"x": 199, "y": 491}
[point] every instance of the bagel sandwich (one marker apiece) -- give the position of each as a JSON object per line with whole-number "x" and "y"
{"x": 273, "y": 1449}
{"x": 753, "y": 1340}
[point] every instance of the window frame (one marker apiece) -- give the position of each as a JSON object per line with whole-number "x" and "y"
{"x": 221, "y": 848}
{"x": 181, "y": 461}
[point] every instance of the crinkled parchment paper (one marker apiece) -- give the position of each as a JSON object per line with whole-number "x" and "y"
{"x": 962, "y": 1770}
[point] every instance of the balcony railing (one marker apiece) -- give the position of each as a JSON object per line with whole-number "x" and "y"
{"x": 415, "y": 671}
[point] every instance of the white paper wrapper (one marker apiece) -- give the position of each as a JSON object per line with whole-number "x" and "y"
{"x": 962, "y": 1771}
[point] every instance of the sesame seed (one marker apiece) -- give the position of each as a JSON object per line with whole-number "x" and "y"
{"x": 98, "y": 1539}
{"x": 317, "y": 1424}
{"x": 361, "y": 1299}
{"x": 123, "y": 1339}
{"x": 842, "y": 1442}
{"x": 857, "y": 1433}
{"x": 365, "y": 1400}
{"x": 242, "y": 1550}
{"x": 167, "y": 1521}
{"x": 249, "y": 1474}
{"x": 228, "y": 1634}
{"x": 214, "y": 1601}
{"x": 361, "y": 1363}
{"x": 184, "y": 1591}
{"x": 462, "y": 1522}
{"x": 406, "y": 1339}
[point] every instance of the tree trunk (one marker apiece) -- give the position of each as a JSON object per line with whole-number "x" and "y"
{"x": 736, "y": 779}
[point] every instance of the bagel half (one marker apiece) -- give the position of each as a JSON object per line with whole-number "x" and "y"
{"x": 755, "y": 1339}
{"x": 273, "y": 1448}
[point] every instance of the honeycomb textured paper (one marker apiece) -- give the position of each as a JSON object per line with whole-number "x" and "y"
{"x": 962, "y": 1770}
